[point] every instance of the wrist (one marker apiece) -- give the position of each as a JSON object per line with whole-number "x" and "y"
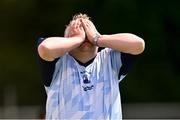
{"x": 96, "y": 39}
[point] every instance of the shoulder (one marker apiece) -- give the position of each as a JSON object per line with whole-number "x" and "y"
{"x": 108, "y": 52}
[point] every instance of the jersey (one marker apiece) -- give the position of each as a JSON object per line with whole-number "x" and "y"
{"x": 91, "y": 92}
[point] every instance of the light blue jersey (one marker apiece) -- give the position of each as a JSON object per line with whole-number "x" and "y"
{"x": 80, "y": 93}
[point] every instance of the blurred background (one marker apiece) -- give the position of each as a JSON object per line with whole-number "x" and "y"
{"x": 151, "y": 89}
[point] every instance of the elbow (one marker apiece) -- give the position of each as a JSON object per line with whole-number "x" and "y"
{"x": 139, "y": 47}
{"x": 44, "y": 52}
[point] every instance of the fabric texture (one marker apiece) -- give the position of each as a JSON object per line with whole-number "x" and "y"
{"x": 92, "y": 92}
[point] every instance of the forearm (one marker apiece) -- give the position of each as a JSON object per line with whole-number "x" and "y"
{"x": 54, "y": 47}
{"x": 123, "y": 42}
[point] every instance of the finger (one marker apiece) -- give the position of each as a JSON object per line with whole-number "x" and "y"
{"x": 91, "y": 24}
{"x": 85, "y": 25}
{"x": 76, "y": 23}
{"x": 78, "y": 27}
{"x": 82, "y": 22}
{"x": 81, "y": 28}
{"x": 71, "y": 23}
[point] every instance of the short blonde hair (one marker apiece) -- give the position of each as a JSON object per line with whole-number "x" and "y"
{"x": 76, "y": 16}
{"x": 80, "y": 15}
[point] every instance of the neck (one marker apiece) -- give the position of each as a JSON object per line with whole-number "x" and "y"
{"x": 84, "y": 56}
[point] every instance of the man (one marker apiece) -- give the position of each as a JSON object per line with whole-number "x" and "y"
{"x": 82, "y": 83}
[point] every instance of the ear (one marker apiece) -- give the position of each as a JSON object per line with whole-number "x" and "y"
{"x": 66, "y": 32}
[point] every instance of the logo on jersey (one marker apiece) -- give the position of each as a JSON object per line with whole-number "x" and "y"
{"x": 87, "y": 81}
{"x": 86, "y": 88}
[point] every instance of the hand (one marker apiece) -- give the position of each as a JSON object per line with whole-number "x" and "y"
{"x": 75, "y": 29}
{"x": 90, "y": 29}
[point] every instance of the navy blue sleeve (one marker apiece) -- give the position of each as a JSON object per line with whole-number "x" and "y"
{"x": 127, "y": 63}
{"x": 47, "y": 68}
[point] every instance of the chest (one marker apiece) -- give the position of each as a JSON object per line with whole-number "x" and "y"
{"x": 95, "y": 77}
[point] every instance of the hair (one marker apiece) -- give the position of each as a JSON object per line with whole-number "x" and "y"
{"x": 80, "y": 15}
{"x": 76, "y": 16}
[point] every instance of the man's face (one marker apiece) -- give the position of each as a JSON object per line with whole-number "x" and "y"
{"x": 86, "y": 46}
